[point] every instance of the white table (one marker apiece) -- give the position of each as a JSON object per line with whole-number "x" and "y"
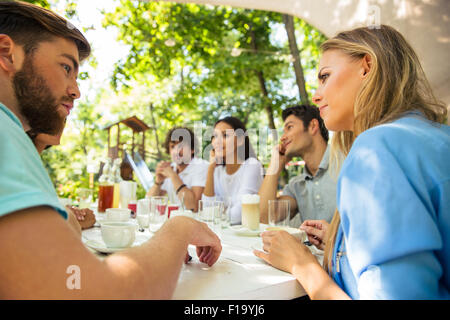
{"x": 237, "y": 275}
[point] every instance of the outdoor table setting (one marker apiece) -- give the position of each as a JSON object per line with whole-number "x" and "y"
{"x": 238, "y": 274}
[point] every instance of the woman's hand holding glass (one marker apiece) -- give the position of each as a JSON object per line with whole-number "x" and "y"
{"x": 283, "y": 251}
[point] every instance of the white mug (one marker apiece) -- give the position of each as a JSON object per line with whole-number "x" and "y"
{"x": 118, "y": 214}
{"x": 118, "y": 234}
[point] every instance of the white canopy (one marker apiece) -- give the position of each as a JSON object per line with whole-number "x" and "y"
{"x": 424, "y": 23}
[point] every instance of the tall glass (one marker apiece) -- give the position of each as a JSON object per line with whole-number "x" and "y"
{"x": 210, "y": 212}
{"x": 206, "y": 210}
{"x": 250, "y": 211}
{"x": 105, "y": 197}
{"x": 218, "y": 213}
{"x": 127, "y": 191}
{"x": 158, "y": 212}
{"x": 85, "y": 197}
{"x": 225, "y": 211}
{"x": 279, "y": 211}
{"x": 143, "y": 213}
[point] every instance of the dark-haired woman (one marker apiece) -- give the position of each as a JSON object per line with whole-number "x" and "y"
{"x": 233, "y": 169}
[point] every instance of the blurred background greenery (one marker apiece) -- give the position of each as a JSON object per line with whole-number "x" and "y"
{"x": 181, "y": 64}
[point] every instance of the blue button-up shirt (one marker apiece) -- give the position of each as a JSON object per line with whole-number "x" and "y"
{"x": 393, "y": 195}
{"x": 315, "y": 195}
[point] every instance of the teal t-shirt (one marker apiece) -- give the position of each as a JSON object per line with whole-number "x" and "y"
{"x": 24, "y": 182}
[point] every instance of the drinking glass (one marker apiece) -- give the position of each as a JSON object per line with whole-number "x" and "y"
{"x": 225, "y": 211}
{"x": 158, "y": 212}
{"x": 250, "y": 211}
{"x": 218, "y": 212}
{"x": 279, "y": 211}
{"x": 105, "y": 197}
{"x": 206, "y": 210}
{"x": 127, "y": 193}
{"x": 143, "y": 213}
{"x": 85, "y": 197}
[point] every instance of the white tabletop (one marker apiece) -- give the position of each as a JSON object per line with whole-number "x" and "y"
{"x": 237, "y": 275}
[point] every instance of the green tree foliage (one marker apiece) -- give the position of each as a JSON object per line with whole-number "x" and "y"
{"x": 192, "y": 44}
{"x": 194, "y": 63}
{"x": 42, "y": 3}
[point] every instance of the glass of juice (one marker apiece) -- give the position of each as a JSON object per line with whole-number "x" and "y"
{"x": 105, "y": 197}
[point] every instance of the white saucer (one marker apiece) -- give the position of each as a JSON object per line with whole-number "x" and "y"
{"x": 244, "y": 231}
{"x": 259, "y": 246}
{"x": 100, "y": 246}
{"x": 106, "y": 220}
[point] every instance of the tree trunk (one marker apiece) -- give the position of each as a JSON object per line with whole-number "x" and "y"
{"x": 298, "y": 69}
{"x": 262, "y": 84}
{"x": 156, "y": 132}
{"x": 267, "y": 107}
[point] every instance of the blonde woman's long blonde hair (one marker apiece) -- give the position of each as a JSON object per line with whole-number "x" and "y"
{"x": 396, "y": 84}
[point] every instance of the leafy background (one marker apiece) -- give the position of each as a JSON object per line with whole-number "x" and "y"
{"x": 193, "y": 64}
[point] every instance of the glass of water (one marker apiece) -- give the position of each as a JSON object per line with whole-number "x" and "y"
{"x": 158, "y": 212}
{"x": 85, "y": 197}
{"x": 279, "y": 211}
{"x": 206, "y": 210}
{"x": 225, "y": 211}
{"x": 218, "y": 214}
{"x": 143, "y": 213}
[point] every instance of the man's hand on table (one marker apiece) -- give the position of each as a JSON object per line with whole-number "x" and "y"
{"x": 200, "y": 235}
{"x": 85, "y": 217}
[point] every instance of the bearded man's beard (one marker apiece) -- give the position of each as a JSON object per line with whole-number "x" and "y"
{"x": 36, "y": 101}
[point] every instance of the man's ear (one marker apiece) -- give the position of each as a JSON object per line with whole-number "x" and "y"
{"x": 8, "y": 60}
{"x": 313, "y": 127}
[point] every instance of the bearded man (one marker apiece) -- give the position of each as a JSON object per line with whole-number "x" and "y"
{"x": 40, "y": 53}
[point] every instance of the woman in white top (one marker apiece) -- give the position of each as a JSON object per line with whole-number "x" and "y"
{"x": 233, "y": 169}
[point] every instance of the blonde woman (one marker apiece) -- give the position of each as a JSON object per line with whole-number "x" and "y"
{"x": 390, "y": 235}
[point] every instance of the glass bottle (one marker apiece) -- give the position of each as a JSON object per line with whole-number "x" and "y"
{"x": 105, "y": 189}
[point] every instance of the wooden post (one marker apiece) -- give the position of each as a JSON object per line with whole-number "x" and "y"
{"x": 143, "y": 145}
{"x": 155, "y": 131}
{"x": 118, "y": 140}
{"x": 132, "y": 148}
{"x": 109, "y": 143}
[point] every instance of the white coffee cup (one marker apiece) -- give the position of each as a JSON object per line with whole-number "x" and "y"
{"x": 118, "y": 234}
{"x": 118, "y": 214}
